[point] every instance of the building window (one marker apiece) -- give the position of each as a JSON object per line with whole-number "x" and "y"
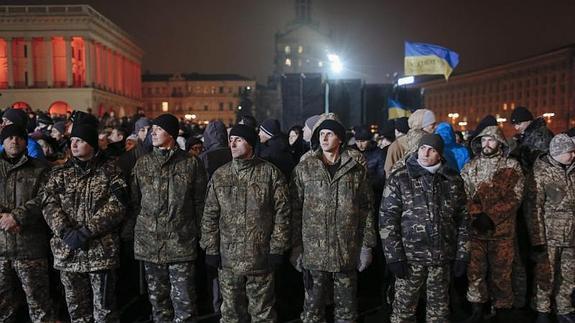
{"x": 165, "y": 106}
{"x": 288, "y": 62}
{"x": 206, "y": 107}
{"x": 221, "y": 106}
{"x": 221, "y": 90}
{"x": 300, "y": 49}
{"x": 230, "y": 106}
{"x": 287, "y": 49}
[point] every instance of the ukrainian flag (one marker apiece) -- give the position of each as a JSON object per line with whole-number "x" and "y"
{"x": 425, "y": 59}
{"x": 396, "y": 110}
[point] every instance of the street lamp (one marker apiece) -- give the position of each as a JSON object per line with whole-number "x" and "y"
{"x": 336, "y": 67}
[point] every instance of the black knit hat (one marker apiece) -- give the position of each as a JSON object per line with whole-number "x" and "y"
{"x": 86, "y": 132}
{"x": 334, "y": 126}
{"x": 432, "y": 140}
{"x": 82, "y": 118}
{"x": 401, "y": 124}
{"x": 45, "y": 119}
{"x": 521, "y": 114}
{"x": 13, "y": 130}
{"x": 362, "y": 133}
{"x": 387, "y": 130}
{"x": 16, "y": 116}
{"x": 271, "y": 127}
{"x": 169, "y": 123}
{"x": 248, "y": 133}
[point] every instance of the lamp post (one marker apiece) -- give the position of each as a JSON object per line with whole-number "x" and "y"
{"x": 336, "y": 67}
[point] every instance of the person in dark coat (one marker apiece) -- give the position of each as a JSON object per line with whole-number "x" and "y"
{"x": 275, "y": 147}
{"x": 216, "y": 151}
{"x": 297, "y": 145}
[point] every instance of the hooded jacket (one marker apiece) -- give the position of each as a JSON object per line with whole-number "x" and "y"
{"x": 276, "y": 151}
{"x": 534, "y": 142}
{"x": 456, "y": 155}
{"x": 406, "y": 144}
{"x": 217, "y": 152}
{"x": 494, "y": 186}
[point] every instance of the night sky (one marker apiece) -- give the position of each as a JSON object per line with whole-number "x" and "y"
{"x": 237, "y": 36}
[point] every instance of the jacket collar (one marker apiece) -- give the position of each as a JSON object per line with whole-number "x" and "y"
{"x": 415, "y": 170}
{"x": 346, "y": 163}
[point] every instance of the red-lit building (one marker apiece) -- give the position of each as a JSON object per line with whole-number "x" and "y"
{"x": 59, "y": 57}
{"x": 543, "y": 83}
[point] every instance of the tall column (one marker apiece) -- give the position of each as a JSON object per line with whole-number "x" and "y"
{"x": 68, "y": 44}
{"x": 49, "y": 61}
{"x": 89, "y": 63}
{"x": 10, "y": 62}
{"x": 30, "y": 62}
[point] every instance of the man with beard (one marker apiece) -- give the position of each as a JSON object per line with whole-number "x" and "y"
{"x": 494, "y": 187}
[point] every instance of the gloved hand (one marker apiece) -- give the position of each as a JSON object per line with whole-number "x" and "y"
{"x": 538, "y": 253}
{"x": 214, "y": 261}
{"x": 459, "y": 268}
{"x": 76, "y": 238}
{"x": 275, "y": 261}
{"x": 483, "y": 223}
{"x": 296, "y": 259}
{"x": 365, "y": 259}
{"x": 399, "y": 269}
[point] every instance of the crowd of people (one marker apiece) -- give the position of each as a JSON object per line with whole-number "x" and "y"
{"x": 97, "y": 210}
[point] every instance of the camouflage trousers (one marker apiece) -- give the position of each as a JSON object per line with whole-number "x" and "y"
{"x": 555, "y": 280}
{"x": 247, "y": 296}
{"x": 344, "y": 294}
{"x": 434, "y": 279}
{"x": 489, "y": 272}
{"x": 90, "y": 296}
{"x": 32, "y": 275}
{"x": 172, "y": 291}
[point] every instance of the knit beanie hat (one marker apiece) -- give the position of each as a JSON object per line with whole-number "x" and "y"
{"x": 271, "y": 127}
{"x": 86, "y": 132}
{"x": 13, "y": 130}
{"x": 141, "y": 123}
{"x": 169, "y": 123}
{"x": 16, "y": 116}
{"x": 246, "y": 132}
{"x": 521, "y": 114}
{"x": 561, "y": 144}
{"x": 401, "y": 124}
{"x": 362, "y": 133}
{"x": 81, "y": 118}
{"x": 432, "y": 140}
{"x": 334, "y": 126}
{"x": 427, "y": 119}
{"x": 60, "y": 126}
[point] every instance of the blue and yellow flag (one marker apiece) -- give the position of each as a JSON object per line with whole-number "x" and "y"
{"x": 425, "y": 59}
{"x": 396, "y": 110}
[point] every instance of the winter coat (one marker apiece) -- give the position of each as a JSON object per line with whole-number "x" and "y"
{"x": 331, "y": 217}
{"x": 217, "y": 152}
{"x": 276, "y": 151}
{"x": 168, "y": 193}
{"x": 455, "y": 155}
{"x": 246, "y": 215}
{"x": 423, "y": 218}
{"x": 20, "y": 185}
{"x": 553, "y": 193}
{"x": 375, "y": 166}
{"x": 494, "y": 186}
{"x": 94, "y": 197}
{"x": 534, "y": 142}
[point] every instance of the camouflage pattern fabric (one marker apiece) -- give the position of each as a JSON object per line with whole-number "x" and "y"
{"x": 172, "y": 293}
{"x": 434, "y": 280}
{"x": 90, "y": 296}
{"x": 555, "y": 281}
{"x": 168, "y": 194}
{"x": 344, "y": 294}
{"x": 534, "y": 142}
{"x": 423, "y": 219}
{"x": 93, "y": 197}
{"x": 247, "y": 298}
{"x": 489, "y": 272}
{"x": 332, "y": 217}
{"x": 411, "y": 142}
{"x": 246, "y": 215}
{"x": 32, "y": 277}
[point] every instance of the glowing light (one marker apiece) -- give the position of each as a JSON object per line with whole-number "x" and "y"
{"x": 239, "y": 107}
{"x": 405, "y": 80}
{"x": 501, "y": 120}
{"x": 165, "y": 106}
{"x": 336, "y": 64}
{"x": 453, "y": 115}
{"x": 549, "y": 114}
{"x": 462, "y": 123}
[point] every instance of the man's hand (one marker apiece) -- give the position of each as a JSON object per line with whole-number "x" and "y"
{"x": 8, "y": 223}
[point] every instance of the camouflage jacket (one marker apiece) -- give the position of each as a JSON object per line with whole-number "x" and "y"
{"x": 423, "y": 217}
{"x": 168, "y": 197}
{"x": 534, "y": 142}
{"x": 91, "y": 196}
{"x": 552, "y": 190}
{"x": 332, "y": 218}
{"x": 494, "y": 186}
{"x": 20, "y": 185}
{"x": 411, "y": 140}
{"x": 246, "y": 216}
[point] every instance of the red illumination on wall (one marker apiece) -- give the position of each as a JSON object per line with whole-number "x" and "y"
{"x": 20, "y": 105}
{"x": 19, "y": 53}
{"x": 59, "y": 108}
{"x": 78, "y": 62}
{"x": 39, "y": 53}
{"x": 59, "y": 63}
{"x": 3, "y": 65}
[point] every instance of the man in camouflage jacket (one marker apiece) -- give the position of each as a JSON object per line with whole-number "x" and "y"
{"x": 84, "y": 204}
{"x": 245, "y": 229}
{"x": 552, "y": 191}
{"x": 333, "y": 229}
{"x": 168, "y": 188}
{"x": 24, "y": 234}
{"x": 424, "y": 229}
{"x": 494, "y": 186}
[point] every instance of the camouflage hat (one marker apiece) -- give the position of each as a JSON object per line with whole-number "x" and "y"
{"x": 561, "y": 144}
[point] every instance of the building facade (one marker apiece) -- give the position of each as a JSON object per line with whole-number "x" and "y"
{"x": 59, "y": 57}
{"x": 199, "y": 98}
{"x": 543, "y": 83}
